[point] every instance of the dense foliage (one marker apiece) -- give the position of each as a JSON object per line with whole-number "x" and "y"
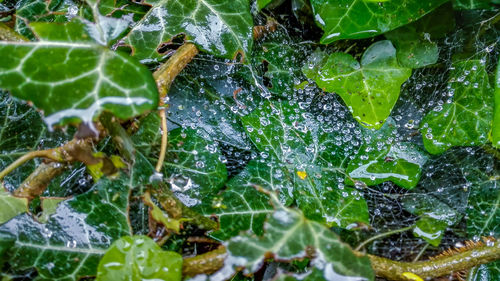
{"x": 307, "y": 140}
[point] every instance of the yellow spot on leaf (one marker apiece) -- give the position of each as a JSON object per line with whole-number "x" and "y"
{"x": 412, "y": 276}
{"x": 302, "y": 174}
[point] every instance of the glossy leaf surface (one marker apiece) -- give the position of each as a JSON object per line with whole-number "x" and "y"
{"x": 354, "y": 19}
{"x": 98, "y": 78}
{"x": 466, "y": 121}
{"x": 139, "y": 258}
{"x": 369, "y": 88}
{"x": 222, "y": 28}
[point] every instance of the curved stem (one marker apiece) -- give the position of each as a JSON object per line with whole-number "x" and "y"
{"x": 164, "y": 77}
{"x": 164, "y": 140}
{"x": 36, "y": 183}
{"x": 49, "y": 153}
{"x": 421, "y": 252}
{"x": 381, "y": 235}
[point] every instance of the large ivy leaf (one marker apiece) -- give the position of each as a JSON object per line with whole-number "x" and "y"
{"x": 353, "y": 19}
{"x": 222, "y": 28}
{"x": 370, "y": 89}
{"x": 311, "y": 163}
{"x": 473, "y": 4}
{"x": 290, "y": 236}
{"x": 383, "y": 158}
{"x": 485, "y": 272}
{"x": 465, "y": 121}
{"x": 98, "y": 78}
{"x": 70, "y": 245}
{"x": 495, "y": 128}
{"x": 139, "y": 258}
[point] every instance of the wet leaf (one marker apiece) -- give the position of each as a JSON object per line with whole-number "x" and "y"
{"x": 485, "y": 272}
{"x": 240, "y": 208}
{"x": 354, "y": 19}
{"x": 466, "y": 121}
{"x": 220, "y": 28}
{"x": 86, "y": 69}
{"x": 311, "y": 163}
{"x": 290, "y": 236}
{"x": 139, "y": 258}
{"x": 11, "y": 206}
{"x": 483, "y": 212}
{"x": 370, "y": 89}
{"x": 41, "y": 11}
{"x": 70, "y": 245}
{"x": 385, "y": 159}
{"x": 49, "y": 207}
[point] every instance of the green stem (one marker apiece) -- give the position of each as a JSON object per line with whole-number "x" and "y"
{"x": 50, "y": 153}
{"x": 7, "y": 34}
{"x": 206, "y": 263}
{"x": 382, "y": 235}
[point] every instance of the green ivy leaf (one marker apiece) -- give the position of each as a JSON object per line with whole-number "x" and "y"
{"x": 220, "y": 28}
{"x": 313, "y": 166}
{"x": 465, "y": 121}
{"x": 385, "y": 159}
{"x": 40, "y": 11}
{"x": 240, "y": 208}
{"x": 483, "y": 213}
{"x": 99, "y": 79}
{"x": 354, "y": 19}
{"x": 70, "y": 245}
{"x": 11, "y": 206}
{"x": 290, "y": 236}
{"x": 495, "y": 128}
{"x": 485, "y": 272}
{"x": 370, "y": 89}
{"x": 139, "y": 258}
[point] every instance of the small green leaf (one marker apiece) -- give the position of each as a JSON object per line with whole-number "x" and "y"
{"x": 370, "y": 89}
{"x": 11, "y": 206}
{"x": 290, "y": 236}
{"x": 465, "y": 121}
{"x": 354, "y": 19}
{"x": 430, "y": 229}
{"x": 385, "y": 159}
{"x": 139, "y": 258}
{"x": 98, "y": 79}
{"x": 222, "y": 28}
{"x": 49, "y": 207}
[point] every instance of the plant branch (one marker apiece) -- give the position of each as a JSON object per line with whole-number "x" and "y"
{"x": 7, "y": 34}
{"x": 206, "y": 263}
{"x": 164, "y": 77}
{"x": 120, "y": 136}
{"x": 381, "y": 235}
{"x": 74, "y": 150}
{"x": 36, "y": 183}
{"x": 392, "y": 270}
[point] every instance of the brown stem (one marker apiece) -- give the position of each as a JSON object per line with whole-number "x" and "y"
{"x": 164, "y": 77}
{"x": 386, "y": 268}
{"x": 120, "y": 136}
{"x": 206, "y": 263}
{"x": 36, "y": 183}
{"x": 7, "y": 34}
